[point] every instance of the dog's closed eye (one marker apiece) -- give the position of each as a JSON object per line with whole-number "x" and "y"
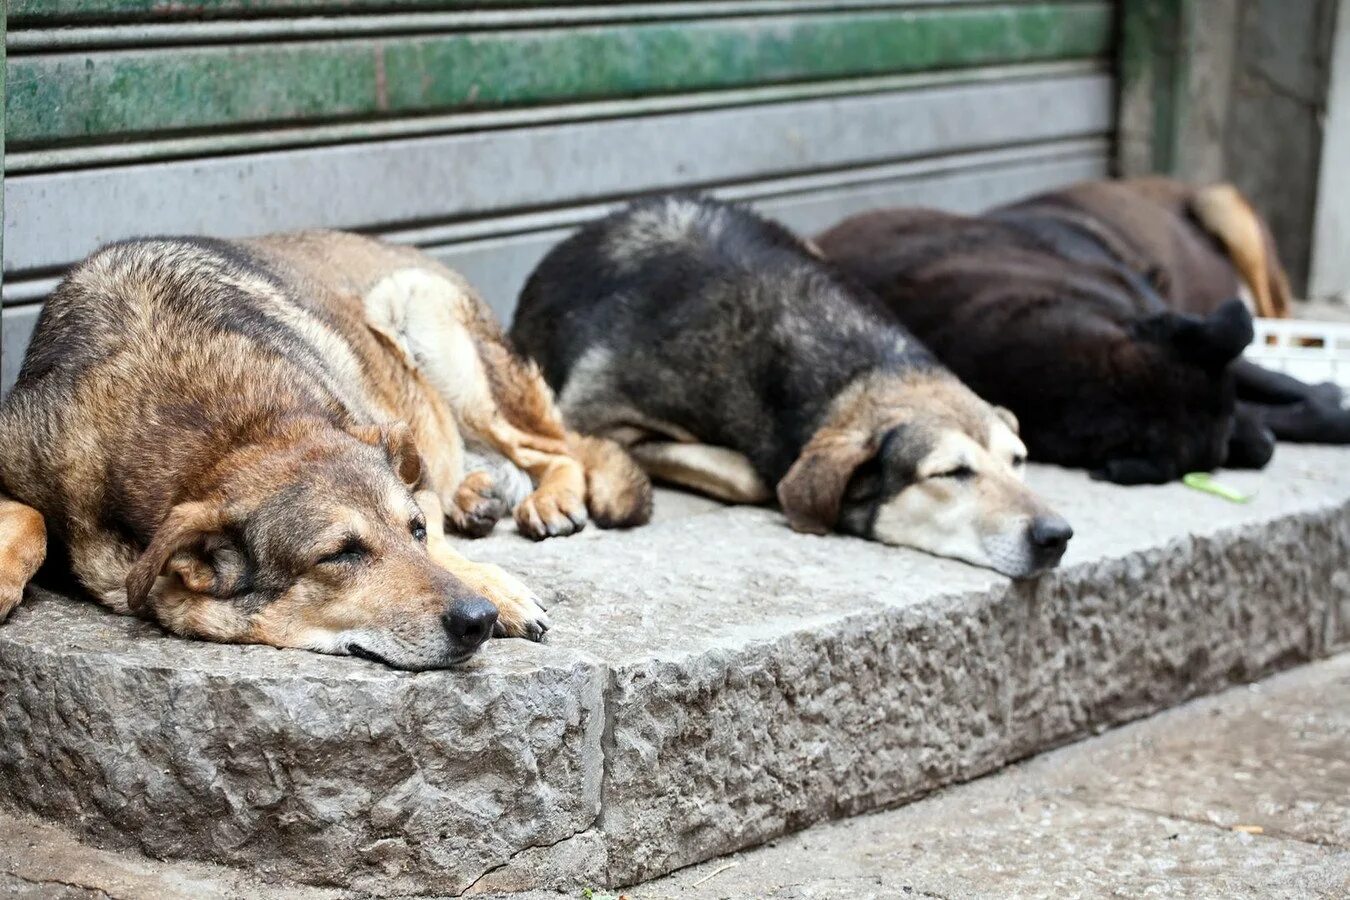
{"x": 352, "y": 551}
{"x": 960, "y": 473}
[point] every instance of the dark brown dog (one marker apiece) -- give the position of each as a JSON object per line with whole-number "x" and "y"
{"x": 259, "y": 442}
{"x": 1104, "y": 316}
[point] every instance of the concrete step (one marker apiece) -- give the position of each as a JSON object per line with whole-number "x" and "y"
{"x": 712, "y": 681}
{"x": 1246, "y": 794}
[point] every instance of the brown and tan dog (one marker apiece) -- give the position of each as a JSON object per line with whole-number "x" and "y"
{"x": 259, "y": 441}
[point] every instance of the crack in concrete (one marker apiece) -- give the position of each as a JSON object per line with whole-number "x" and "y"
{"x": 1193, "y": 820}
{"x": 597, "y": 821}
{"x": 607, "y": 743}
{"x": 1283, "y": 91}
{"x": 510, "y": 859}
{"x": 40, "y": 882}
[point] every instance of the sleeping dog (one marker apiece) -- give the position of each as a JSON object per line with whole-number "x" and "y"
{"x": 729, "y": 358}
{"x": 259, "y": 441}
{"x": 1105, "y": 316}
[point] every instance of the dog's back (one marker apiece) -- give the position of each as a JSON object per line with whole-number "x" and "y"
{"x": 141, "y": 339}
{"x": 705, "y": 317}
{"x": 1195, "y": 245}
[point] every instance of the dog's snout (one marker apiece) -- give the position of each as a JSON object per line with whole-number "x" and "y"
{"x": 1050, "y": 533}
{"x": 470, "y": 622}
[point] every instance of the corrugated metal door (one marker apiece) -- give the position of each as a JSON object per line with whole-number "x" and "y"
{"x": 484, "y": 131}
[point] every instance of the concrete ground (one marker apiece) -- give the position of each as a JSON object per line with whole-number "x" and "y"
{"x": 1245, "y": 794}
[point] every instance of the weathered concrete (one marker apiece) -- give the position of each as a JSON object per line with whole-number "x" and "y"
{"x": 292, "y": 763}
{"x": 712, "y": 681}
{"x": 1147, "y": 810}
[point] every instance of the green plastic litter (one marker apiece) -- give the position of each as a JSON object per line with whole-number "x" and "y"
{"x": 1203, "y": 481}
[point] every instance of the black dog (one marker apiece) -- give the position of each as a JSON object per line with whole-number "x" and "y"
{"x": 1105, "y": 317}
{"x": 729, "y": 357}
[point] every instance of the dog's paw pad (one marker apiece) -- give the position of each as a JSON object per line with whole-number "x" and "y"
{"x": 478, "y": 506}
{"x": 541, "y": 516}
{"x": 523, "y": 619}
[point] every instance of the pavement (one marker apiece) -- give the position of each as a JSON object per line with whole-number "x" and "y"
{"x": 1244, "y": 794}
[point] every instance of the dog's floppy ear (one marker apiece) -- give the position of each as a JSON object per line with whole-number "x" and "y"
{"x": 1212, "y": 341}
{"x": 397, "y": 441}
{"x": 191, "y": 543}
{"x": 1008, "y": 418}
{"x": 812, "y": 491}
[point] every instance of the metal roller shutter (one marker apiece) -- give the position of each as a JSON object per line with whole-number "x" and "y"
{"x": 484, "y": 131}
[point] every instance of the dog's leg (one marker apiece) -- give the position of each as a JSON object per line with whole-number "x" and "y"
{"x": 23, "y": 547}
{"x": 716, "y": 471}
{"x": 618, "y": 491}
{"x": 1261, "y": 385}
{"x": 1306, "y": 422}
{"x": 519, "y": 612}
{"x": 415, "y": 314}
{"x": 439, "y": 324}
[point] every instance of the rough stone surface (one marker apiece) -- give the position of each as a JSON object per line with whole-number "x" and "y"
{"x": 712, "y": 681}
{"x": 324, "y": 770}
{"x": 1146, "y": 810}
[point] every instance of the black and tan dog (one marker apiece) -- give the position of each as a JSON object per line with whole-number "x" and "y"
{"x": 1105, "y": 316}
{"x": 259, "y": 441}
{"x": 729, "y": 358}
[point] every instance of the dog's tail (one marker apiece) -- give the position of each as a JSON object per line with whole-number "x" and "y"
{"x": 618, "y": 492}
{"x": 1227, "y": 215}
{"x": 23, "y": 547}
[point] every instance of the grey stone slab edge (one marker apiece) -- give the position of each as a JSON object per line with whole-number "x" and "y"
{"x": 552, "y": 770}
{"x": 725, "y": 751}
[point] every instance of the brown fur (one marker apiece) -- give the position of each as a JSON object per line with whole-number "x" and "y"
{"x": 1193, "y": 243}
{"x": 185, "y": 400}
{"x": 812, "y": 492}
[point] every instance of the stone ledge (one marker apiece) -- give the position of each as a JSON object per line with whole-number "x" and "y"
{"x": 711, "y": 681}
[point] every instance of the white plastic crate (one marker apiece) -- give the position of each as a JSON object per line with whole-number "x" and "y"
{"x": 1310, "y": 351}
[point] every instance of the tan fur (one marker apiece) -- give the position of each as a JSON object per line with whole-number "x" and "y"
{"x": 813, "y": 489}
{"x": 1227, "y": 215}
{"x": 618, "y": 493}
{"x": 720, "y": 473}
{"x": 23, "y": 547}
{"x": 391, "y": 334}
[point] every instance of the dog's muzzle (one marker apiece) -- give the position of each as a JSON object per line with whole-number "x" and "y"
{"x": 1048, "y": 537}
{"x": 469, "y": 623}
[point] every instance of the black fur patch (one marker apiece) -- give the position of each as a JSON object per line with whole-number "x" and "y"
{"x": 713, "y": 319}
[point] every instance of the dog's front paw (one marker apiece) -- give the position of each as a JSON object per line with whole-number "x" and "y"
{"x": 11, "y": 594}
{"x": 519, "y": 612}
{"x": 478, "y": 506}
{"x": 523, "y": 619}
{"x": 545, "y": 515}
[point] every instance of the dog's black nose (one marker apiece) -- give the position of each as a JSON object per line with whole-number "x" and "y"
{"x": 1050, "y": 533}
{"x": 470, "y": 622}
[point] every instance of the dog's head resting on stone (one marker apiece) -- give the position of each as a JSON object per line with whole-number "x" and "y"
{"x": 916, "y": 459}
{"x": 1142, "y": 402}
{"x": 311, "y": 538}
